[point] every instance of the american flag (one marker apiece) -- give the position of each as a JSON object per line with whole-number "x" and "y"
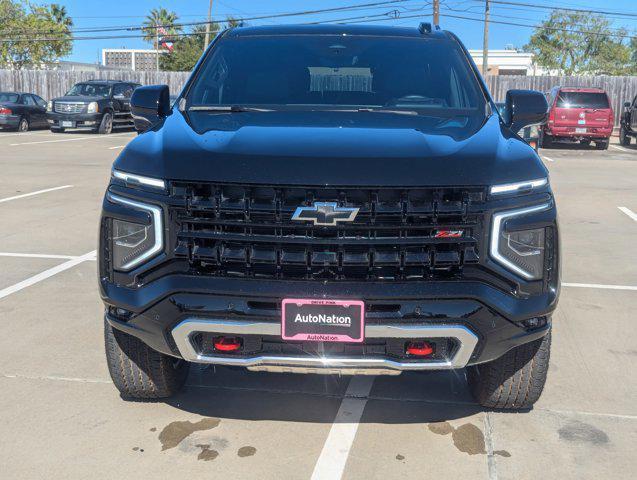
{"x": 164, "y": 41}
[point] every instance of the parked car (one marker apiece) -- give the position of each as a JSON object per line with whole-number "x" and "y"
{"x": 97, "y": 105}
{"x": 530, "y": 134}
{"x": 346, "y": 201}
{"x": 577, "y": 114}
{"x": 22, "y": 111}
{"x": 628, "y": 122}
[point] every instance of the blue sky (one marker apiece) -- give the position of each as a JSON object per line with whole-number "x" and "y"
{"x": 94, "y": 13}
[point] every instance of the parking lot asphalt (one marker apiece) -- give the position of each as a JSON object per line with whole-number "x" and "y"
{"x": 60, "y": 416}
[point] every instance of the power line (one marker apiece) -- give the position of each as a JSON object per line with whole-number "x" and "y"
{"x": 568, "y": 9}
{"x": 204, "y": 22}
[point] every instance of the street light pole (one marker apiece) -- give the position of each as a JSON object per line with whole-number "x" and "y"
{"x": 157, "y": 47}
{"x": 485, "y": 44}
{"x": 208, "y": 26}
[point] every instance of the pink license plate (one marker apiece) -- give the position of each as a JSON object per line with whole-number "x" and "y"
{"x": 323, "y": 320}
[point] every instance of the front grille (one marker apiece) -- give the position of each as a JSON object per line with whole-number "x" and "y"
{"x": 68, "y": 107}
{"x": 248, "y": 231}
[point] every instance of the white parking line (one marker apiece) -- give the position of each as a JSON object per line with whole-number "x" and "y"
{"x": 628, "y": 212}
{"x": 43, "y": 133}
{"x": 36, "y": 255}
{"x": 331, "y": 462}
{"x": 24, "y": 195}
{"x": 547, "y": 158}
{"x": 616, "y": 147}
{"x": 46, "y": 274}
{"x": 488, "y": 440}
{"x": 86, "y": 137}
{"x": 600, "y": 286}
{"x": 116, "y": 146}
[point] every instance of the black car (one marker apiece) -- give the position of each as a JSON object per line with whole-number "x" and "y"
{"x": 628, "y": 122}
{"x": 22, "y": 111}
{"x": 97, "y": 105}
{"x": 346, "y": 201}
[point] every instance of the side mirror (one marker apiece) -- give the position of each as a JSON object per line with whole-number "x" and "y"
{"x": 149, "y": 105}
{"x": 627, "y": 104}
{"x": 525, "y": 107}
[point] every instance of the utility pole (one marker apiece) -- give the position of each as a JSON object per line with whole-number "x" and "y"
{"x": 436, "y": 5}
{"x": 157, "y": 47}
{"x": 485, "y": 44}
{"x": 208, "y": 26}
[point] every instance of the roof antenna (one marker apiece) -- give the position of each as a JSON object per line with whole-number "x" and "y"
{"x": 424, "y": 27}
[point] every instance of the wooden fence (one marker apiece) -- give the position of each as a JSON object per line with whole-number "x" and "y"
{"x": 53, "y": 83}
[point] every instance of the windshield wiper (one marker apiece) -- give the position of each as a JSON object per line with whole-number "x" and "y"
{"x": 387, "y": 110}
{"x": 226, "y": 108}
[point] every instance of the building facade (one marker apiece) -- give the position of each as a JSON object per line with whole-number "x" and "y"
{"x": 508, "y": 62}
{"x": 130, "y": 59}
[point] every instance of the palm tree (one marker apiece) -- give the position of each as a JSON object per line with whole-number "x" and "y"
{"x": 60, "y": 16}
{"x": 160, "y": 17}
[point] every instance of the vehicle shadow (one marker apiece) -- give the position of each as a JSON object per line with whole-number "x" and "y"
{"x": 412, "y": 397}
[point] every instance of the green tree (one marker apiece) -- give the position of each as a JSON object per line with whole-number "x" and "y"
{"x": 574, "y": 43}
{"x": 187, "y": 49}
{"x": 31, "y": 37}
{"x": 160, "y": 17}
{"x": 60, "y": 16}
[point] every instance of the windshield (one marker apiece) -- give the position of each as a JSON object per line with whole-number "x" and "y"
{"x": 330, "y": 71}
{"x": 8, "y": 97}
{"x": 90, "y": 90}
{"x": 582, "y": 100}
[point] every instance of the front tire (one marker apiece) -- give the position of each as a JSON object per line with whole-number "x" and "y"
{"x": 57, "y": 130}
{"x": 546, "y": 141}
{"x": 106, "y": 126}
{"x": 514, "y": 381}
{"x": 140, "y": 372}
{"x": 623, "y": 138}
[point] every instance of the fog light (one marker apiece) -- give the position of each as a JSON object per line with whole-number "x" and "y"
{"x": 227, "y": 344}
{"x": 419, "y": 349}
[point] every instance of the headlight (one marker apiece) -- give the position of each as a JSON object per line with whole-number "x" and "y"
{"x": 92, "y": 107}
{"x": 49, "y": 106}
{"x": 134, "y": 243}
{"x": 132, "y": 179}
{"x": 518, "y": 187}
{"x": 521, "y": 251}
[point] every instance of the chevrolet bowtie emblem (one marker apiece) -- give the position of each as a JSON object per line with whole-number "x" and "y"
{"x": 325, "y": 214}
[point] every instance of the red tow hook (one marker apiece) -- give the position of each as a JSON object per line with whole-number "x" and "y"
{"x": 419, "y": 349}
{"x": 227, "y": 344}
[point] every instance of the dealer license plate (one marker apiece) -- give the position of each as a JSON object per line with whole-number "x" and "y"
{"x": 323, "y": 320}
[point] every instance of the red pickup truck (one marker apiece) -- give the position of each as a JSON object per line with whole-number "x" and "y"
{"x": 578, "y": 115}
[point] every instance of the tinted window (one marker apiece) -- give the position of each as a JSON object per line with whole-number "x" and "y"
{"x": 330, "y": 70}
{"x": 40, "y": 101}
{"x": 90, "y": 89}
{"x": 9, "y": 97}
{"x": 123, "y": 89}
{"x": 582, "y": 100}
{"x": 27, "y": 100}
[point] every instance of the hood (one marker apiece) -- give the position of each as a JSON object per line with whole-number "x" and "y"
{"x": 331, "y": 148}
{"x": 79, "y": 98}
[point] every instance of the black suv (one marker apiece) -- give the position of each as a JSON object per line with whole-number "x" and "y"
{"x": 97, "y": 105}
{"x": 327, "y": 199}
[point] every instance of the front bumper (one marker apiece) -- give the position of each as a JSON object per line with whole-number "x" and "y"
{"x": 9, "y": 121}
{"x": 78, "y": 120}
{"x": 484, "y": 321}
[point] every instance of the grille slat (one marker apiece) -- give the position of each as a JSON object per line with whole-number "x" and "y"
{"x": 67, "y": 107}
{"x": 247, "y": 231}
